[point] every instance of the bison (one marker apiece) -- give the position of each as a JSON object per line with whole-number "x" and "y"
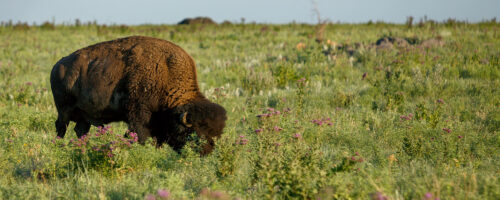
{"x": 146, "y": 82}
{"x": 197, "y": 20}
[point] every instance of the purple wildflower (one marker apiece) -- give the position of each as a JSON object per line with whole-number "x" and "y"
{"x": 447, "y": 130}
{"x": 277, "y": 129}
{"x": 440, "y": 101}
{"x": 297, "y": 136}
{"x": 258, "y": 130}
{"x": 460, "y": 137}
{"x": 364, "y": 76}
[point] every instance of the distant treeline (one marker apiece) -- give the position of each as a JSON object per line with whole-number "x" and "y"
{"x": 410, "y": 23}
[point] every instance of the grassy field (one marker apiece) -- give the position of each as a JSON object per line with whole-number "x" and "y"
{"x": 340, "y": 119}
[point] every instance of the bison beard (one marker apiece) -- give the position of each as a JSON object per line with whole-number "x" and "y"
{"x": 148, "y": 83}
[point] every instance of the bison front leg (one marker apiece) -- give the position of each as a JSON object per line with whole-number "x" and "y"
{"x": 138, "y": 122}
{"x": 82, "y": 128}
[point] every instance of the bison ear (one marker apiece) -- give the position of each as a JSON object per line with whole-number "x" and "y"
{"x": 184, "y": 119}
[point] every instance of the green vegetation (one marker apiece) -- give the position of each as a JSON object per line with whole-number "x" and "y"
{"x": 306, "y": 120}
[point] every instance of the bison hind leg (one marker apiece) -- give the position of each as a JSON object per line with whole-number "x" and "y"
{"x": 61, "y": 125}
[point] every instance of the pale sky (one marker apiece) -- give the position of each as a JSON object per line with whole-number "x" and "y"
{"x": 261, "y": 11}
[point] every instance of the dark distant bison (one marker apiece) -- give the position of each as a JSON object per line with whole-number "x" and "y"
{"x": 197, "y": 20}
{"x": 148, "y": 83}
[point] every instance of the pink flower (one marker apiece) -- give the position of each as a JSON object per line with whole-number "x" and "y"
{"x": 263, "y": 115}
{"x": 460, "y": 137}
{"x": 379, "y": 196}
{"x": 243, "y": 141}
{"x": 297, "y": 136}
{"x": 258, "y": 130}
{"x": 428, "y": 196}
{"x": 134, "y": 136}
{"x": 163, "y": 193}
{"x": 150, "y": 197}
{"x": 447, "y": 130}
{"x": 276, "y": 128}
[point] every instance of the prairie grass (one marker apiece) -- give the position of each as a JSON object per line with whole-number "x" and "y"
{"x": 305, "y": 121}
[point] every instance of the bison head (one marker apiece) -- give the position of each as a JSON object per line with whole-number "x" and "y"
{"x": 205, "y": 118}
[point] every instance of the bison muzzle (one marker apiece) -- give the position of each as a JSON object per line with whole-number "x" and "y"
{"x": 148, "y": 83}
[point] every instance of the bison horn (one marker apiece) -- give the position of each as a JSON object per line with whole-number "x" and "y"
{"x": 184, "y": 119}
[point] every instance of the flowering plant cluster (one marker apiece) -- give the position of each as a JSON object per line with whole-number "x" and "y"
{"x": 320, "y": 122}
{"x": 98, "y": 149}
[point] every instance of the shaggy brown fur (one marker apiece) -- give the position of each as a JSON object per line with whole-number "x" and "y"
{"x": 197, "y": 20}
{"x": 148, "y": 83}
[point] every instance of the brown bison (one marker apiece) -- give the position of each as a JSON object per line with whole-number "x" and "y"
{"x": 197, "y": 20}
{"x": 148, "y": 83}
